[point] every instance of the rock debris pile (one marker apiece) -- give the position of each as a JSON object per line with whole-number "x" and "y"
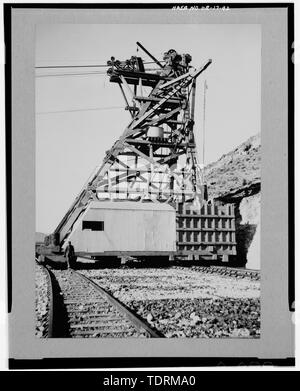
{"x": 41, "y": 302}
{"x": 181, "y": 302}
{"x": 207, "y": 318}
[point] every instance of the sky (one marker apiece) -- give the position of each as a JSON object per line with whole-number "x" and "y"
{"x": 80, "y": 114}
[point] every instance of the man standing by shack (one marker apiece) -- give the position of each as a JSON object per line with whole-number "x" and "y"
{"x": 70, "y": 255}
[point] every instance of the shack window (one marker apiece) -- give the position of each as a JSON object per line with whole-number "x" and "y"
{"x": 93, "y": 225}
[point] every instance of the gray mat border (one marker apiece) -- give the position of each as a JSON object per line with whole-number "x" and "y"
{"x": 277, "y": 339}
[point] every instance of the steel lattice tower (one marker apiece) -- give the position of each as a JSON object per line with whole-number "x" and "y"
{"x": 155, "y": 158}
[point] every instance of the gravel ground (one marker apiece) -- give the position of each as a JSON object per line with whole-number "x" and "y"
{"x": 41, "y": 302}
{"x": 187, "y": 303}
{"x": 201, "y": 317}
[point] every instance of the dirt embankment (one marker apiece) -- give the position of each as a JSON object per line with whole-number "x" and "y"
{"x": 235, "y": 178}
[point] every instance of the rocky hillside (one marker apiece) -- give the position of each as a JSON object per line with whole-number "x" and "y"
{"x": 235, "y": 178}
{"x": 237, "y": 169}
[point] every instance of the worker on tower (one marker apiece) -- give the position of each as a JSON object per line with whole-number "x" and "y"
{"x": 70, "y": 255}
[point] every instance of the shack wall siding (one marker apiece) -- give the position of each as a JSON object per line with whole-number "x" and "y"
{"x": 127, "y": 230}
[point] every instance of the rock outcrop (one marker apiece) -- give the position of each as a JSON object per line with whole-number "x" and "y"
{"x": 235, "y": 178}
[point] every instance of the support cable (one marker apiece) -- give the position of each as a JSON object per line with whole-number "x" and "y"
{"x": 204, "y": 118}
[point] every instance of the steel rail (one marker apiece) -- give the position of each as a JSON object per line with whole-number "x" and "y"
{"x": 136, "y": 321}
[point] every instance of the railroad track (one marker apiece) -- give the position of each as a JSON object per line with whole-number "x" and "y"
{"x": 227, "y": 271}
{"x": 93, "y": 313}
{"x": 181, "y": 302}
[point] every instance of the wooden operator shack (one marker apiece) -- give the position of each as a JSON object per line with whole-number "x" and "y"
{"x": 148, "y": 197}
{"x": 131, "y": 228}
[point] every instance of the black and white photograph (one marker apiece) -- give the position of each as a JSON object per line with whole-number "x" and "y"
{"x": 148, "y": 181}
{"x": 150, "y": 163}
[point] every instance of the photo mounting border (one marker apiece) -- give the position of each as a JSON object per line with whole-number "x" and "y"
{"x": 19, "y": 147}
